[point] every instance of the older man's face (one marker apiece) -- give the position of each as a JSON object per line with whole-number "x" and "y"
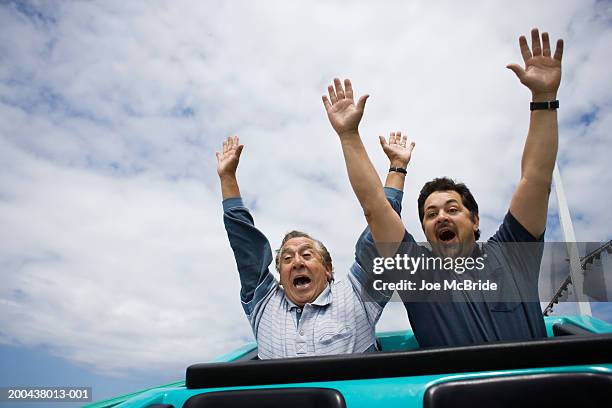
{"x": 303, "y": 274}
{"x": 448, "y": 224}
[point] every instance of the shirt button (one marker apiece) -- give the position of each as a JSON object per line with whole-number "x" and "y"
{"x": 301, "y": 332}
{"x": 299, "y": 310}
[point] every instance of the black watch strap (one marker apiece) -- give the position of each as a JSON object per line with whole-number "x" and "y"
{"x": 398, "y": 169}
{"x": 549, "y": 105}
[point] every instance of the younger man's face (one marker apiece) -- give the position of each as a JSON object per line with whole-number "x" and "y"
{"x": 448, "y": 224}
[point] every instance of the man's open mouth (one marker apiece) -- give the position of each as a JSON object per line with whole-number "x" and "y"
{"x": 446, "y": 235}
{"x": 301, "y": 282}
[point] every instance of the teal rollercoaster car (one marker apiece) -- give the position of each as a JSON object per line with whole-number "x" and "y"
{"x": 571, "y": 368}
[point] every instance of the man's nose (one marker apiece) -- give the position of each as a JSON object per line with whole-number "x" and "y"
{"x": 442, "y": 217}
{"x": 297, "y": 262}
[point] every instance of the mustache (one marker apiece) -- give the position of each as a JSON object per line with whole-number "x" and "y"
{"x": 445, "y": 224}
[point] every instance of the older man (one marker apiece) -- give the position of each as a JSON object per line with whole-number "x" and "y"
{"x": 449, "y": 218}
{"x": 308, "y": 313}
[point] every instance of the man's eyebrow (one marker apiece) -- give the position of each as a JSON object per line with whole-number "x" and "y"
{"x": 300, "y": 248}
{"x": 284, "y": 250}
{"x": 452, "y": 200}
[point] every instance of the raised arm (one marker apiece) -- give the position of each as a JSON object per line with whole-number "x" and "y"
{"x": 344, "y": 116}
{"x": 542, "y": 75}
{"x": 251, "y": 248}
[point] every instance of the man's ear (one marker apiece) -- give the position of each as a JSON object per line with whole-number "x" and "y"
{"x": 476, "y": 223}
{"x": 328, "y": 272}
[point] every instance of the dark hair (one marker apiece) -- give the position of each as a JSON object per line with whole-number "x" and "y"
{"x": 446, "y": 184}
{"x": 319, "y": 247}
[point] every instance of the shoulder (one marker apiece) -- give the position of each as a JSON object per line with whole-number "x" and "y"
{"x": 346, "y": 289}
{"x": 511, "y": 230}
{"x": 343, "y": 283}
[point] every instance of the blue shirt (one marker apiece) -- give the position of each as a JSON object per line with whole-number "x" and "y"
{"x": 341, "y": 320}
{"x": 512, "y": 313}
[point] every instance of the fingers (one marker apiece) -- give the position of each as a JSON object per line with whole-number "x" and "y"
{"x": 524, "y": 48}
{"x": 235, "y": 143}
{"x": 396, "y": 138}
{"x": 536, "y": 47}
{"x": 362, "y": 101}
{"x": 383, "y": 141}
{"x": 517, "y": 69}
{"x": 559, "y": 50}
{"x": 326, "y": 103}
{"x": 349, "y": 89}
{"x": 339, "y": 89}
{"x": 332, "y": 94}
{"x": 337, "y": 93}
{"x": 411, "y": 147}
{"x": 230, "y": 143}
{"x": 539, "y": 48}
{"x": 545, "y": 45}
{"x": 218, "y": 156}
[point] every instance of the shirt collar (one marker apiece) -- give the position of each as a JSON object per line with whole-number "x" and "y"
{"x": 324, "y": 299}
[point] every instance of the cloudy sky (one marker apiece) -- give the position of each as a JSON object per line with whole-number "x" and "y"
{"x": 113, "y": 255}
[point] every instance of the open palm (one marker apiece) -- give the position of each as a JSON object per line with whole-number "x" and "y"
{"x": 344, "y": 115}
{"x": 542, "y": 72}
{"x": 397, "y": 149}
{"x": 227, "y": 161}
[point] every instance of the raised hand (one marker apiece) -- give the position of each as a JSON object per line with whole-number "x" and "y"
{"x": 397, "y": 149}
{"x": 227, "y": 161}
{"x": 344, "y": 115}
{"x": 542, "y": 73}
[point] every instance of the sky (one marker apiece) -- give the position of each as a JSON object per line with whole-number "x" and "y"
{"x": 114, "y": 261}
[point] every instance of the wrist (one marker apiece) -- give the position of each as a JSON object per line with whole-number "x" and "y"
{"x": 230, "y": 176}
{"x": 543, "y": 97}
{"x": 398, "y": 163}
{"x": 349, "y": 134}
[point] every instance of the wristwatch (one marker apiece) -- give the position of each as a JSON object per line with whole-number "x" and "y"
{"x": 398, "y": 169}
{"x": 548, "y": 105}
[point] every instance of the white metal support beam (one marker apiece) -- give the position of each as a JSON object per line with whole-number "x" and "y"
{"x": 569, "y": 237}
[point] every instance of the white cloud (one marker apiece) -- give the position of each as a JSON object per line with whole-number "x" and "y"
{"x": 113, "y": 248}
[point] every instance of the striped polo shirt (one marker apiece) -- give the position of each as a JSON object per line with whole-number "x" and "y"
{"x": 341, "y": 320}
